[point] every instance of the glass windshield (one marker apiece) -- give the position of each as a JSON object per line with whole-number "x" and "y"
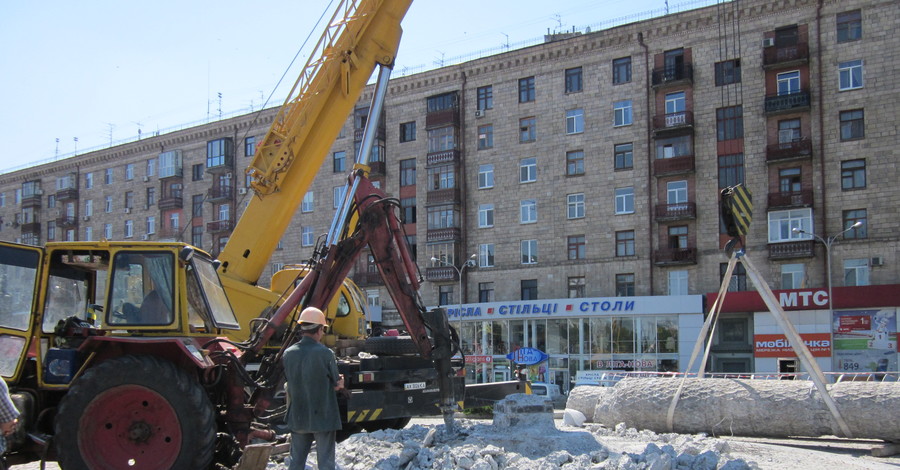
{"x": 217, "y": 301}
{"x": 18, "y": 269}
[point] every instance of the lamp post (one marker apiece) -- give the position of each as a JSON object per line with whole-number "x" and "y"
{"x": 470, "y": 263}
{"x": 828, "y": 241}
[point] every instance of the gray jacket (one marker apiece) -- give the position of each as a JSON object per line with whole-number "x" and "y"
{"x": 312, "y": 374}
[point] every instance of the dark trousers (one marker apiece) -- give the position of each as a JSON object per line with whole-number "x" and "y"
{"x": 301, "y": 444}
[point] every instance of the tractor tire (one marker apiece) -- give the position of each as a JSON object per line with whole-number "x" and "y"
{"x": 391, "y": 346}
{"x": 135, "y": 412}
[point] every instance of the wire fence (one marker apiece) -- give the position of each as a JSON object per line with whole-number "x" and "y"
{"x": 609, "y": 378}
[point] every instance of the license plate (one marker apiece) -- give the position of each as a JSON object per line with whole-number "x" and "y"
{"x": 414, "y": 386}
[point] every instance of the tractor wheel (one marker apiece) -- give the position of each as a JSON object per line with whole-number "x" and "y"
{"x": 391, "y": 346}
{"x": 136, "y": 412}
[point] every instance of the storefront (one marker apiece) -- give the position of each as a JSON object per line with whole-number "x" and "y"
{"x": 652, "y": 333}
{"x": 860, "y": 335}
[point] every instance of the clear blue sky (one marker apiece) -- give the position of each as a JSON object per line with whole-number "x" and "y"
{"x": 100, "y": 70}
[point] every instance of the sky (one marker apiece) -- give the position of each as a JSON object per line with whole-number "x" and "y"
{"x": 106, "y": 71}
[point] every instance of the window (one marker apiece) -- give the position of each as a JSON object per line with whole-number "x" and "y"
{"x": 625, "y": 200}
{"x": 789, "y": 180}
{"x": 622, "y": 113}
{"x": 731, "y": 170}
{"x": 441, "y": 177}
{"x": 783, "y": 223}
{"x": 89, "y": 207}
{"x": 107, "y": 231}
{"x": 575, "y": 163}
{"x": 444, "y": 216}
{"x": 51, "y": 201}
{"x": 129, "y": 172}
{"x": 853, "y": 174}
{"x": 850, "y": 75}
{"x": 527, "y": 132}
{"x": 197, "y": 172}
{"x": 151, "y": 197}
{"x": 151, "y": 225}
{"x": 678, "y": 238}
{"x": 170, "y": 164}
{"x": 575, "y": 121}
{"x": 573, "y": 80}
{"x": 197, "y": 236}
{"x": 485, "y": 215}
{"x": 526, "y": 90}
{"x": 529, "y": 289}
{"x": 307, "y": 237}
{"x": 624, "y": 156}
{"x": 678, "y": 283}
{"x": 486, "y": 255}
{"x": 441, "y": 139}
{"x": 528, "y": 211}
{"x": 856, "y": 272}
{"x": 675, "y": 102}
{"x": 88, "y": 180}
{"x": 249, "y": 146}
{"x": 625, "y": 243}
{"x": 108, "y": 176}
{"x": 407, "y": 131}
{"x": 849, "y": 26}
{"x": 575, "y": 246}
{"x": 485, "y": 176}
{"x": 621, "y": 70}
{"x": 788, "y": 131}
{"x": 484, "y": 97}
{"x": 308, "y": 203}
{"x": 219, "y": 152}
{"x": 485, "y": 291}
{"x": 793, "y": 276}
{"x": 728, "y": 72}
{"x": 107, "y": 206}
{"x": 851, "y": 217}
{"x": 408, "y": 210}
{"x": 528, "y": 170}
{"x": 337, "y": 195}
{"x": 576, "y": 287}
{"x": 340, "y": 161}
{"x": 88, "y": 234}
{"x": 408, "y": 172}
{"x": 730, "y": 123}
{"x": 575, "y": 206}
{"x": 852, "y": 125}
{"x": 445, "y": 295}
{"x": 625, "y": 285}
{"x": 175, "y": 219}
{"x": 129, "y": 199}
{"x": 738, "y": 280}
{"x": 129, "y": 229}
{"x": 676, "y": 193}
{"x": 439, "y": 102}
{"x": 485, "y": 136}
{"x": 529, "y": 251}
{"x": 788, "y": 82}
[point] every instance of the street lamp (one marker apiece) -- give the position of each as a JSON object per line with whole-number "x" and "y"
{"x": 470, "y": 263}
{"x": 828, "y": 242}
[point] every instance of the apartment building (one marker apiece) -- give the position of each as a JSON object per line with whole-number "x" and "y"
{"x": 565, "y": 196}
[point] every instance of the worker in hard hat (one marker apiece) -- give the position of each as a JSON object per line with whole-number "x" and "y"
{"x": 312, "y": 380}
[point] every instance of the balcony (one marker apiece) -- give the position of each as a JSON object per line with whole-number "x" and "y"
{"x": 788, "y": 250}
{"x": 358, "y": 134}
{"x": 441, "y": 273}
{"x": 169, "y": 233}
{"x": 219, "y": 226}
{"x": 679, "y": 211}
{"x": 444, "y": 117}
{"x": 66, "y": 221}
{"x": 777, "y": 56}
{"x": 443, "y": 234}
{"x": 673, "y": 166}
{"x": 442, "y": 196}
{"x": 170, "y": 200}
{"x": 31, "y": 227}
{"x": 787, "y": 199}
{"x": 366, "y": 278}
{"x": 782, "y": 151}
{"x": 441, "y": 158}
{"x": 673, "y": 121}
{"x": 32, "y": 200}
{"x": 675, "y": 256}
{"x": 67, "y": 194}
{"x": 673, "y": 75}
{"x": 219, "y": 194}
{"x": 798, "y": 101}
{"x": 377, "y": 168}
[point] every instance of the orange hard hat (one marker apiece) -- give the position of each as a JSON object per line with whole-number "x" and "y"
{"x": 311, "y": 317}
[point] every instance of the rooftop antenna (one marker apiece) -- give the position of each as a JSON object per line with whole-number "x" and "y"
{"x": 440, "y": 62}
{"x": 139, "y": 124}
{"x": 220, "y": 104}
{"x": 558, "y": 18}
{"x": 111, "y": 127}
{"x": 56, "y": 152}
{"x": 506, "y": 46}
{"x": 76, "y": 144}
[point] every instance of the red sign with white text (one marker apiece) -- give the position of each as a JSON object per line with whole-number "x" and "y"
{"x": 479, "y": 359}
{"x": 819, "y": 344}
{"x": 848, "y": 323}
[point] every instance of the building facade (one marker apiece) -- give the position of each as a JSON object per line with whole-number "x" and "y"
{"x": 589, "y": 167}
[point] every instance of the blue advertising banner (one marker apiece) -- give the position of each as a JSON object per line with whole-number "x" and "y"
{"x": 527, "y": 356}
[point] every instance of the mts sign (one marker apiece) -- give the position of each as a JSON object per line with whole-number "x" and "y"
{"x": 800, "y": 299}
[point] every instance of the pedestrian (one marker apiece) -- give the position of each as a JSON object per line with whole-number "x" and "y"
{"x": 9, "y": 419}
{"x": 312, "y": 380}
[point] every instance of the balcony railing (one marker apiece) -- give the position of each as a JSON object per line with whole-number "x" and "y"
{"x": 66, "y": 221}
{"x": 377, "y": 168}
{"x": 797, "y": 249}
{"x": 171, "y": 200}
{"x": 443, "y": 117}
{"x": 790, "y": 102}
{"x": 67, "y": 194}
{"x": 441, "y": 273}
{"x": 443, "y": 196}
{"x": 802, "y": 198}
{"x": 683, "y": 73}
{"x": 31, "y": 227}
{"x": 366, "y": 278}
{"x": 674, "y": 165}
{"x": 220, "y": 193}
{"x": 170, "y": 233}
{"x": 358, "y": 134}
{"x": 670, "y": 256}
{"x": 789, "y": 150}
{"x": 443, "y": 234}
{"x": 32, "y": 200}
{"x": 678, "y": 211}
{"x": 219, "y": 226}
{"x": 783, "y": 55}
{"x": 442, "y": 157}
{"x": 672, "y": 121}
